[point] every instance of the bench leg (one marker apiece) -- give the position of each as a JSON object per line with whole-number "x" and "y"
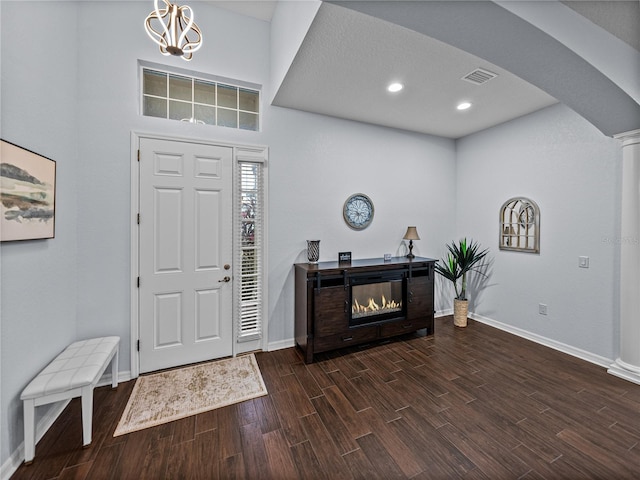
{"x": 87, "y": 414}
{"x": 29, "y": 430}
{"x": 114, "y": 368}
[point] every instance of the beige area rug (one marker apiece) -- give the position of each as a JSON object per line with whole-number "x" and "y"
{"x": 167, "y": 396}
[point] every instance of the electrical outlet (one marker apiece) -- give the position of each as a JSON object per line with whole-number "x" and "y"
{"x": 542, "y": 309}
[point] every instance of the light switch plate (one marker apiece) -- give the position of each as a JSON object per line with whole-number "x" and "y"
{"x": 583, "y": 262}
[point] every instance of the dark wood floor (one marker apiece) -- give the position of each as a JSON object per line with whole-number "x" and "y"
{"x": 473, "y": 403}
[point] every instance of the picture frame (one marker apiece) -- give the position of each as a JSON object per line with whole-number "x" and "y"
{"x": 27, "y": 194}
{"x": 520, "y": 225}
{"x": 344, "y": 258}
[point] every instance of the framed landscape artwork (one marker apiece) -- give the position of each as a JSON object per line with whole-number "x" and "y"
{"x": 27, "y": 194}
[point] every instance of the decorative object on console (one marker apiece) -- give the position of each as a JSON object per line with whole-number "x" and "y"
{"x": 27, "y": 194}
{"x": 358, "y": 211}
{"x": 313, "y": 251}
{"x": 462, "y": 259}
{"x": 344, "y": 258}
{"x": 411, "y": 235}
{"x": 520, "y": 225}
{"x": 180, "y": 36}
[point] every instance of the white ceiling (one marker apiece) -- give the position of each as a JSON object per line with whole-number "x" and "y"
{"x": 260, "y": 9}
{"x": 348, "y": 58}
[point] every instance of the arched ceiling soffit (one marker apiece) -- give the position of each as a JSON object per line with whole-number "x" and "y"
{"x": 489, "y": 31}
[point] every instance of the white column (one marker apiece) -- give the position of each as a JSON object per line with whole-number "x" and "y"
{"x": 627, "y": 365}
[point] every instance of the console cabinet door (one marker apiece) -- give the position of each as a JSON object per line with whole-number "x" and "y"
{"x": 331, "y": 311}
{"x": 419, "y": 297}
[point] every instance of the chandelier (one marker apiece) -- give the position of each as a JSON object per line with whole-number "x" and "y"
{"x": 175, "y": 32}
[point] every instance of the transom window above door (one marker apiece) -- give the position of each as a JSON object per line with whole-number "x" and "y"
{"x": 198, "y": 100}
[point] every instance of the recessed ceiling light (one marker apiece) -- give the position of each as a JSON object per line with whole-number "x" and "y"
{"x": 463, "y": 106}
{"x": 395, "y": 87}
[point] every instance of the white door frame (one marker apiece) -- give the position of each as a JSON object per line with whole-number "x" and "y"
{"x": 244, "y": 152}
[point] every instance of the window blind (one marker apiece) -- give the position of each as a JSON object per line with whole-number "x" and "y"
{"x": 250, "y": 253}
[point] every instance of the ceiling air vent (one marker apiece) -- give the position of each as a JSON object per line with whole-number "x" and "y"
{"x": 479, "y": 76}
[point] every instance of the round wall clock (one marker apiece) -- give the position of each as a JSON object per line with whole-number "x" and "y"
{"x": 358, "y": 211}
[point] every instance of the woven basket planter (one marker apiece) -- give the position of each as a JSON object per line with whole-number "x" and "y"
{"x": 460, "y": 311}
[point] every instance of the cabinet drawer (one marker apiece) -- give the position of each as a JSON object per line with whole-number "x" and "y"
{"x": 350, "y": 337}
{"x": 404, "y": 326}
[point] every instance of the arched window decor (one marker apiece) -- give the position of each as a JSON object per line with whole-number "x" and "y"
{"x": 520, "y": 225}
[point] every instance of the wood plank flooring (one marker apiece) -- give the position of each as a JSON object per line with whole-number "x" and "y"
{"x": 474, "y": 403}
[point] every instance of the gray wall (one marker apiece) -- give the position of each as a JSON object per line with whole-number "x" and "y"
{"x": 317, "y": 162}
{"x": 573, "y": 173}
{"x": 72, "y": 94}
{"x": 39, "y": 278}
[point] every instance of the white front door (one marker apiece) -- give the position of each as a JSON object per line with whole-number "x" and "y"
{"x": 185, "y": 253}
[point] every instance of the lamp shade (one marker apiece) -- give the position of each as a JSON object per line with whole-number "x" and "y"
{"x": 412, "y": 234}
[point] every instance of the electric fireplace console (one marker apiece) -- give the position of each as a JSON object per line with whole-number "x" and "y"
{"x": 365, "y": 300}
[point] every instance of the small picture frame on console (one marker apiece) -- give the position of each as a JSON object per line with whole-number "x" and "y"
{"x": 344, "y": 257}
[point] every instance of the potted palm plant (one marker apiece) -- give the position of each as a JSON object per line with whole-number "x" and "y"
{"x": 462, "y": 258}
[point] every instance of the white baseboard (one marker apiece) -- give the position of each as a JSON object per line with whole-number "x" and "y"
{"x": 547, "y": 342}
{"x": 624, "y": 370}
{"x": 17, "y": 457}
{"x": 280, "y": 344}
{"x": 106, "y": 378}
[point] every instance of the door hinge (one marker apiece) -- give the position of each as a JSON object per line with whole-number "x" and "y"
{"x": 138, "y": 219}
{"x": 138, "y": 345}
{"x": 138, "y": 282}
{"x": 138, "y": 154}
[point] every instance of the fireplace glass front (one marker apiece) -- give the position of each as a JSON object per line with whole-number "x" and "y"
{"x": 372, "y": 302}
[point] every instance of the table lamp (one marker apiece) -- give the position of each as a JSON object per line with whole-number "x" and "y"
{"x": 411, "y": 235}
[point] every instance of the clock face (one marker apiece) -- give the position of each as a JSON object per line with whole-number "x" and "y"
{"x": 358, "y": 211}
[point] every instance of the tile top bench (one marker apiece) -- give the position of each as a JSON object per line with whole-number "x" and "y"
{"x": 73, "y": 373}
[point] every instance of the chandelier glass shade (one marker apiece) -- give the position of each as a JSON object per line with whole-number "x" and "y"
{"x": 173, "y": 29}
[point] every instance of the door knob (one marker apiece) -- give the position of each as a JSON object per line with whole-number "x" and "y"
{"x": 225, "y": 279}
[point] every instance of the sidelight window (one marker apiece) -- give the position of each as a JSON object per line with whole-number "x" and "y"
{"x": 250, "y": 226}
